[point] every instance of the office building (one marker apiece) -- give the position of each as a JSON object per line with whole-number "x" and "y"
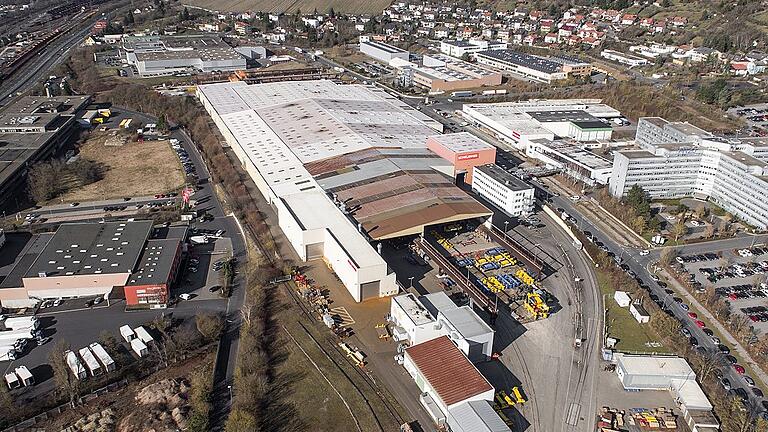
{"x": 32, "y": 129}
{"x": 575, "y": 161}
{"x": 678, "y": 160}
{"x": 343, "y": 166}
{"x": 93, "y": 259}
{"x": 525, "y": 65}
{"x": 507, "y": 192}
{"x": 573, "y": 66}
{"x": 440, "y": 72}
{"x": 382, "y": 52}
{"x": 464, "y": 151}
{"x": 461, "y": 48}
{"x": 168, "y": 55}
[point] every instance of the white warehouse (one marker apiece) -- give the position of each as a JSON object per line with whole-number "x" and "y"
{"x": 342, "y": 166}
{"x": 381, "y": 51}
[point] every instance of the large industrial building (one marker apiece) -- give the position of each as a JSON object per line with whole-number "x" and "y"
{"x": 461, "y": 48}
{"x": 555, "y": 132}
{"x": 509, "y": 193}
{"x": 526, "y": 65}
{"x": 168, "y": 55}
{"x": 381, "y": 51}
{"x": 33, "y": 129}
{"x": 343, "y": 166}
{"x": 680, "y": 160}
{"x": 440, "y": 72}
{"x": 92, "y": 259}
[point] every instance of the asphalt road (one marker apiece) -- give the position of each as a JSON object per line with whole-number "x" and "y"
{"x": 640, "y": 265}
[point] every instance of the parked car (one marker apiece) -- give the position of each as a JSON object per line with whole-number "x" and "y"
{"x": 739, "y": 369}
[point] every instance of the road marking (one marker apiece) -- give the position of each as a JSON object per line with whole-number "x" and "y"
{"x": 573, "y": 414}
{"x": 341, "y": 316}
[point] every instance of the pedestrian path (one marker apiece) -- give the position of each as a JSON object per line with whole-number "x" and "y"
{"x": 341, "y": 316}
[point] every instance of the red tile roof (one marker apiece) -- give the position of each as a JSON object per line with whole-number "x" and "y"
{"x": 448, "y": 370}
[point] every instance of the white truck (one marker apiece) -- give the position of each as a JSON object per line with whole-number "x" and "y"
{"x": 139, "y": 347}
{"x": 127, "y": 333}
{"x": 18, "y": 323}
{"x": 103, "y": 356}
{"x": 75, "y": 366}
{"x": 90, "y": 361}
{"x": 143, "y": 335}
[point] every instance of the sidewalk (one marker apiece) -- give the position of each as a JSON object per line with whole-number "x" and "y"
{"x": 761, "y": 375}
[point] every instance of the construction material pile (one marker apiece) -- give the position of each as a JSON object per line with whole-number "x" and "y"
{"x": 658, "y": 418}
{"x": 611, "y": 420}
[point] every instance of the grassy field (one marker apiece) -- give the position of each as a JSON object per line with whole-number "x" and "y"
{"x": 306, "y": 6}
{"x": 134, "y": 169}
{"x": 632, "y": 336}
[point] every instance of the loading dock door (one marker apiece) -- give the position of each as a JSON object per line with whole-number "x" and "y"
{"x": 314, "y": 251}
{"x": 369, "y": 290}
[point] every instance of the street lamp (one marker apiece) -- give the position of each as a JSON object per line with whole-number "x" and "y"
{"x": 410, "y": 279}
{"x": 506, "y": 222}
{"x": 229, "y": 387}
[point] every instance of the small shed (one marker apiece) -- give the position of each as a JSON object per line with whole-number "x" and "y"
{"x": 12, "y": 380}
{"x": 25, "y": 376}
{"x": 638, "y": 311}
{"x": 139, "y": 347}
{"x": 622, "y": 298}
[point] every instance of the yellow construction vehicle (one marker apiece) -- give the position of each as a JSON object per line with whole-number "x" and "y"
{"x": 519, "y": 399}
{"x": 536, "y": 306}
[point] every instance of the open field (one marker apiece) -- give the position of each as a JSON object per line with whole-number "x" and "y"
{"x": 632, "y": 336}
{"x": 291, "y": 6}
{"x": 134, "y": 169}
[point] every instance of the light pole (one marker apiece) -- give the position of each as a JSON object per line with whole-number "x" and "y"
{"x": 506, "y": 222}
{"x": 229, "y": 387}
{"x": 410, "y": 279}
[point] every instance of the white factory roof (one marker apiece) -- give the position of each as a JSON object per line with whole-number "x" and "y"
{"x": 466, "y": 322}
{"x": 575, "y": 153}
{"x": 475, "y": 416}
{"x": 436, "y": 302}
{"x": 462, "y": 142}
{"x": 414, "y": 309}
{"x": 672, "y": 367}
{"x": 689, "y": 393}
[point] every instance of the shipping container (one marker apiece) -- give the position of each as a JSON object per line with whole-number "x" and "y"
{"x": 75, "y": 366}
{"x": 90, "y": 361}
{"x": 462, "y": 93}
{"x": 103, "y": 356}
{"x": 127, "y": 333}
{"x": 139, "y": 347}
{"x": 25, "y": 376}
{"x": 143, "y": 334}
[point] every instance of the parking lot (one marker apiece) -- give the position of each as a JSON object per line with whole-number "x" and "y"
{"x": 756, "y": 117}
{"x": 738, "y": 276}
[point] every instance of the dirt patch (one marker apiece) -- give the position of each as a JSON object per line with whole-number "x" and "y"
{"x": 131, "y": 169}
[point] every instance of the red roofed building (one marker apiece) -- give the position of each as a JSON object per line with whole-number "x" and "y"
{"x": 445, "y": 375}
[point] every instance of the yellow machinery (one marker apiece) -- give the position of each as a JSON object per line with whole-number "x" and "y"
{"x": 536, "y": 306}
{"x": 98, "y": 120}
{"x": 519, "y": 399}
{"x": 524, "y": 277}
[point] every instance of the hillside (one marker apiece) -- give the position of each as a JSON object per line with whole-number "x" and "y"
{"x": 290, "y": 6}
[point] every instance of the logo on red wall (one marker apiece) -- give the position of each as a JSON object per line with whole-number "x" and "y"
{"x": 468, "y": 156}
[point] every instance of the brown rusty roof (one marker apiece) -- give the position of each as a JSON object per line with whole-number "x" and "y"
{"x": 448, "y": 370}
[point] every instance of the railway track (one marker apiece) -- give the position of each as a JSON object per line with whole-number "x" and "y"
{"x": 369, "y": 382}
{"x": 529, "y": 388}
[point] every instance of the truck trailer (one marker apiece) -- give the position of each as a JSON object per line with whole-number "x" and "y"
{"x": 25, "y": 376}
{"x": 127, "y": 333}
{"x": 19, "y": 323}
{"x": 104, "y": 358}
{"x": 143, "y": 335}
{"x": 90, "y": 361}
{"x": 7, "y": 353}
{"x": 139, "y": 347}
{"x": 74, "y": 365}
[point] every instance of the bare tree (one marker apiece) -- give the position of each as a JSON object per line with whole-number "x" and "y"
{"x": 667, "y": 256}
{"x": 65, "y": 381}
